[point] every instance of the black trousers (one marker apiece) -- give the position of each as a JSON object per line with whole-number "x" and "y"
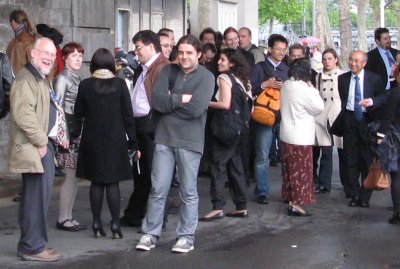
{"x": 395, "y": 191}
{"x": 136, "y": 209}
{"x": 358, "y": 155}
{"x": 226, "y": 163}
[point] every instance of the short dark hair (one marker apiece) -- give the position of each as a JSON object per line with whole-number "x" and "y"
{"x": 379, "y": 31}
{"x": 208, "y": 46}
{"x": 190, "y": 40}
{"x": 300, "y": 69}
{"x": 70, "y": 48}
{"x": 165, "y": 30}
{"x": 207, "y": 30}
{"x": 56, "y": 36}
{"x": 276, "y": 38}
{"x": 42, "y": 29}
{"x": 162, "y": 34}
{"x": 148, "y": 37}
{"x": 296, "y": 46}
{"x": 218, "y": 40}
{"x": 102, "y": 59}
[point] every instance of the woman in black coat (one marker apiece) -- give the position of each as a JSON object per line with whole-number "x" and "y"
{"x": 104, "y": 102}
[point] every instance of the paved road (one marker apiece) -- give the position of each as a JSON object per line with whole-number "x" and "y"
{"x": 335, "y": 237}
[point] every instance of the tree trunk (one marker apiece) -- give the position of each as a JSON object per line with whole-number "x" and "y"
{"x": 323, "y": 29}
{"x": 271, "y": 25}
{"x": 362, "y": 24}
{"x": 376, "y": 14}
{"x": 346, "y": 44}
{"x": 204, "y": 14}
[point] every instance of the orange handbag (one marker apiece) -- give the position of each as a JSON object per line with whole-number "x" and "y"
{"x": 376, "y": 179}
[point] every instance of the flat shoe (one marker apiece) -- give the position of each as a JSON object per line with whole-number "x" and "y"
{"x": 220, "y": 215}
{"x": 293, "y": 212}
{"x": 47, "y": 255}
{"x": 61, "y": 226}
{"x": 242, "y": 214}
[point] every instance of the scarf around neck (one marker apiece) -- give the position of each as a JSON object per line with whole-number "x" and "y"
{"x": 103, "y": 74}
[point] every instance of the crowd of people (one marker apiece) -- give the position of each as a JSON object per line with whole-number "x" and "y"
{"x": 153, "y": 123}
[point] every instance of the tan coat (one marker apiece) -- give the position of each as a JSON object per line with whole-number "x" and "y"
{"x": 30, "y": 106}
{"x": 328, "y": 90}
{"x": 18, "y": 50}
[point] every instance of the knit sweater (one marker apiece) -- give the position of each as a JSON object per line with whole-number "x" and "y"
{"x": 181, "y": 125}
{"x": 300, "y": 103}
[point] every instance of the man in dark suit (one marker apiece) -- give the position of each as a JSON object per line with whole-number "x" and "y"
{"x": 362, "y": 94}
{"x": 381, "y": 59}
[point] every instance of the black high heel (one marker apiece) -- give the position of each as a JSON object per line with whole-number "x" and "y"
{"x": 116, "y": 230}
{"x": 98, "y": 230}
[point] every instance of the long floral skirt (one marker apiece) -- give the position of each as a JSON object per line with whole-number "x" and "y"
{"x": 297, "y": 174}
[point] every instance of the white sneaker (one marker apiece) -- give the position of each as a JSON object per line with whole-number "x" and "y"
{"x": 145, "y": 243}
{"x": 182, "y": 246}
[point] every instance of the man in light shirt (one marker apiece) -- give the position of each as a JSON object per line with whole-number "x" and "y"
{"x": 152, "y": 60}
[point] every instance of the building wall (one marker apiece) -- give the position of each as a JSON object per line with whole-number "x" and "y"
{"x": 94, "y": 23}
{"x": 220, "y": 14}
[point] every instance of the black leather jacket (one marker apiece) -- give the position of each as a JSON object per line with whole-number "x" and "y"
{"x": 7, "y": 79}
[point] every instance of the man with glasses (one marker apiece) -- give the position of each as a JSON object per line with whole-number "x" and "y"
{"x": 268, "y": 74}
{"x": 148, "y": 52}
{"x": 166, "y": 44}
{"x": 38, "y": 123}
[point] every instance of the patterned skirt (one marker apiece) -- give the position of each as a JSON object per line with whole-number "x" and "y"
{"x": 69, "y": 158}
{"x": 297, "y": 174}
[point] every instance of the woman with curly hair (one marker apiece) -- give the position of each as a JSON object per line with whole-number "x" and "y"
{"x": 225, "y": 160}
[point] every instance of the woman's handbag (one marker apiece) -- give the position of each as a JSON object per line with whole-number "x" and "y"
{"x": 376, "y": 179}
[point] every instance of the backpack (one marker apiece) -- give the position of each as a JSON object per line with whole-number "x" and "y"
{"x": 228, "y": 125}
{"x": 267, "y": 105}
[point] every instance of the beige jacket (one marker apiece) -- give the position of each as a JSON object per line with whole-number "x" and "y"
{"x": 328, "y": 90}
{"x": 30, "y": 106}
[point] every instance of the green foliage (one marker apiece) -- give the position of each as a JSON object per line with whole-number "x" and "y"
{"x": 285, "y": 11}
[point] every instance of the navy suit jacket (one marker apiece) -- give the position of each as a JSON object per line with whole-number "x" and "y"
{"x": 373, "y": 88}
{"x": 376, "y": 64}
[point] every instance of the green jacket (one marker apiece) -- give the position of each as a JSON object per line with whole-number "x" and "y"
{"x": 30, "y": 107}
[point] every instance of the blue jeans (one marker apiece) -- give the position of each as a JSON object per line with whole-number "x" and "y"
{"x": 164, "y": 160}
{"x": 261, "y": 165}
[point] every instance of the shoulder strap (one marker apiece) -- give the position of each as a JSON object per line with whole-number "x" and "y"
{"x": 234, "y": 81}
{"x": 319, "y": 81}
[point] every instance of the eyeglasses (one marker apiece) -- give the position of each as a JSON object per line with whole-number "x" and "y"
{"x": 165, "y": 45}
{"x": 280, "y": 49}
{"x": 140, "y": 47}
{"x": 47, "y": 53}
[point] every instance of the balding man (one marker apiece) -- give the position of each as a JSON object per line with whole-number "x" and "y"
{"x": 362, "y": 94}
{"x": 245, "y": 43}
{"x": 38, "y": 123}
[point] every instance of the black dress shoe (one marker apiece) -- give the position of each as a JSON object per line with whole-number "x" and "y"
{"x": 61, "y": 226}
{"x": 262, "y": 199}
{"x": 217, "y": 216}
{"x": 242, "y": 214}
{"x": 321, "y": 189}
{"x": 79, "y": 226}
{"x": 294, "y": 212}
{"x": 395, "y": 219}
{"x": 353, "y": 203}
{"x": 363, "y": 204}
